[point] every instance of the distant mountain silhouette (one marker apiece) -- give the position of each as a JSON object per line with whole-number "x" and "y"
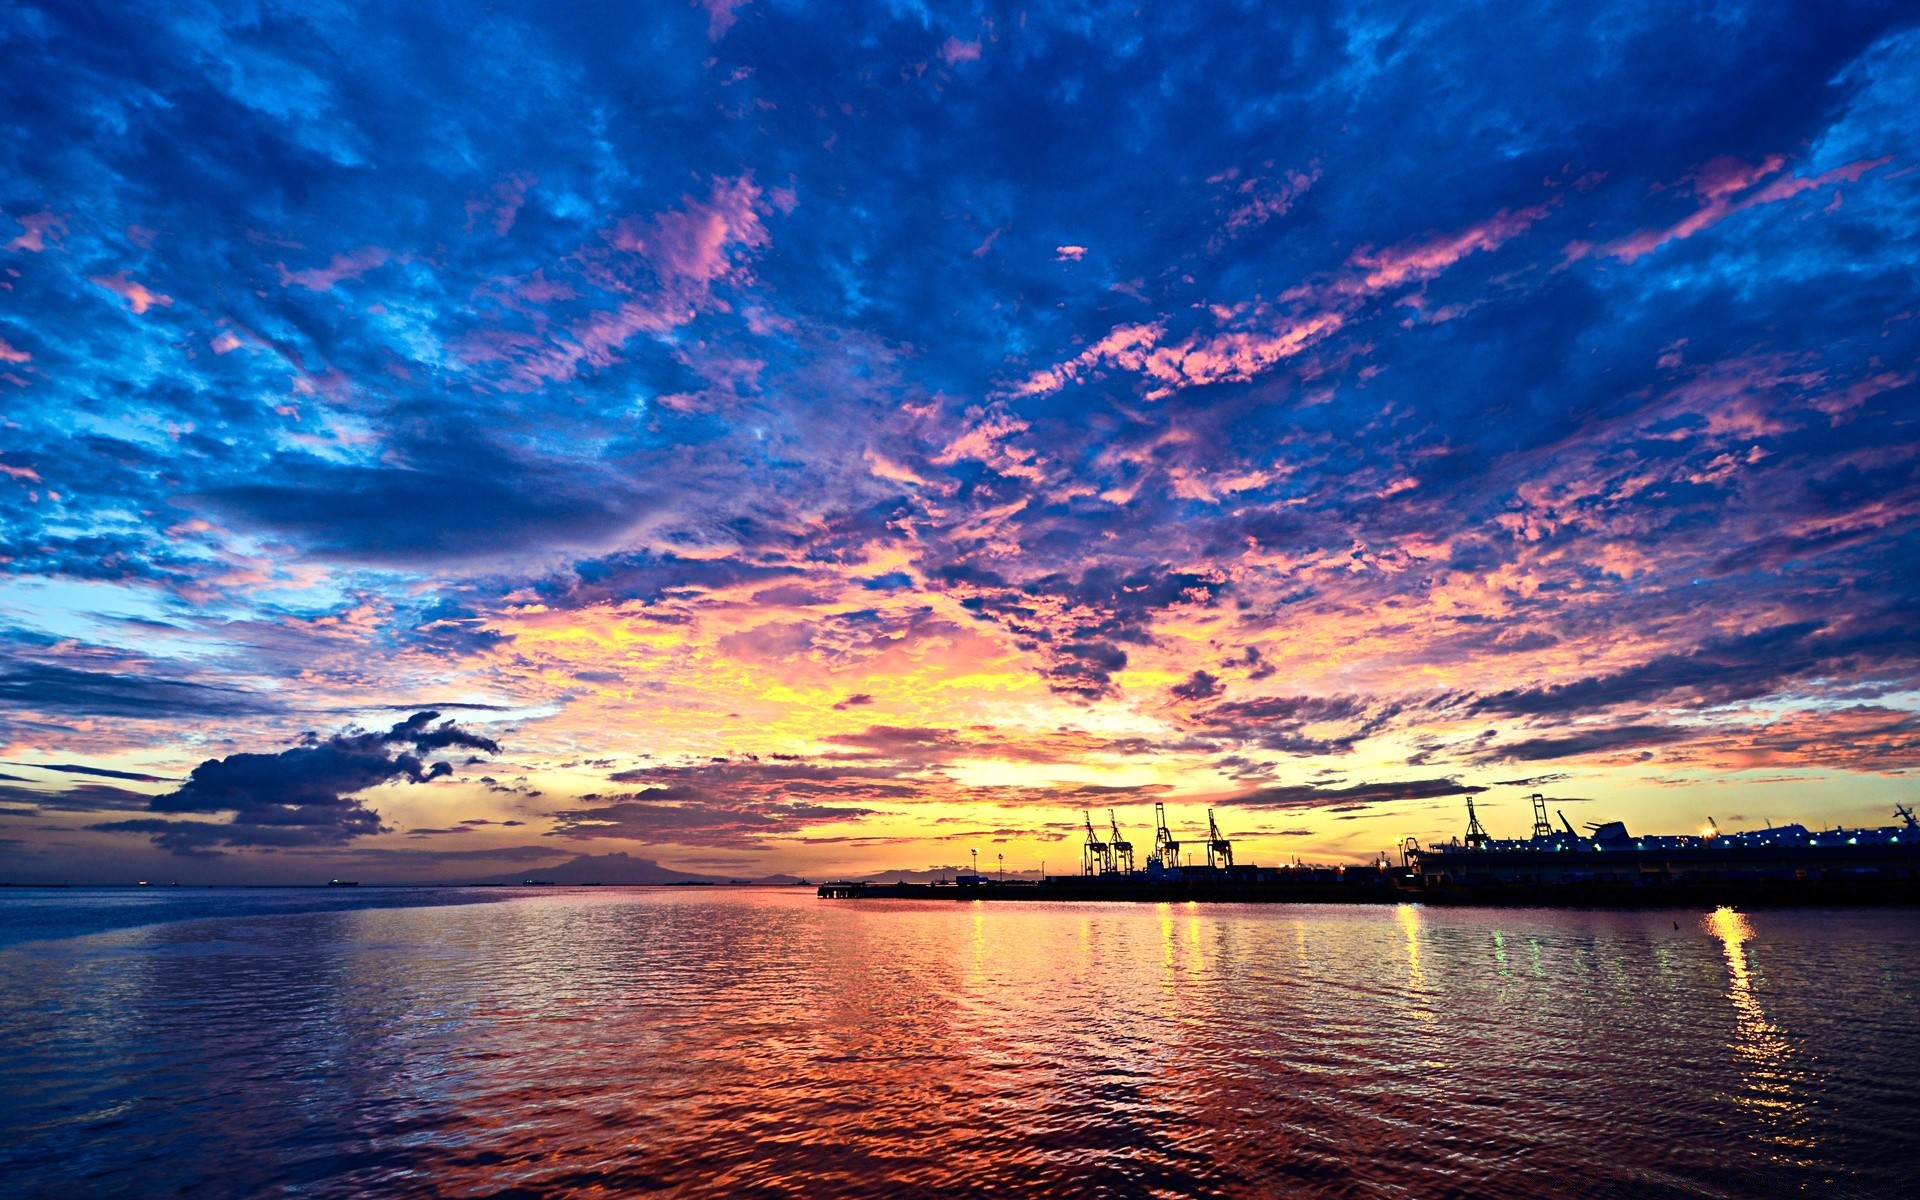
{"x": 618, "y": 867}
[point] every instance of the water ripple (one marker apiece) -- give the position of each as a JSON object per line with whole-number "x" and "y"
{"x": 607, "y": 1042}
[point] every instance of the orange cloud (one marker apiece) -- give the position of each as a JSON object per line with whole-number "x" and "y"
{"x": 138, "y": 298}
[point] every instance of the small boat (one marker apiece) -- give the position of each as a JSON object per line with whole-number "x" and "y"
{"x": 343, "y": 883}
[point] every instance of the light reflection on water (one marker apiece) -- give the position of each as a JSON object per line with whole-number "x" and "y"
{"x": 698, "y": 1043}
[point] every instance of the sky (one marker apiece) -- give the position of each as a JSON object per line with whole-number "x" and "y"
{"x": 440, "y": 440}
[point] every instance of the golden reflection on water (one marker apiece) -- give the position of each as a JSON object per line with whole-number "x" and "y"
{"x": 1764, "y": 1052}
{"x": 1407, "y": 916}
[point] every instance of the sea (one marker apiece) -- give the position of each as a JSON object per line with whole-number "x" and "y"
{"x": 762, "y": 1042}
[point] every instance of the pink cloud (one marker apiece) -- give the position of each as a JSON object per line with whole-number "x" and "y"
{"x": 9, "y": 354}
{"x": 689, "y": 250}
{"x": 138, "y": 298}
{"x": 1259, "y": 206}
{"x": 341, "y": 266}
{"x": 956, "y": 51}
{"x": 502, "y": 205}
{"x": 1718, "y": 184}
{"x": 39, "y": 226}
{"x": 1424, "y": 260}
{"x": 720, "y": 16}
{"x": 693, "y": 245}
{"x": 1260, "y": 336}
{"x": 1069, "y": 253}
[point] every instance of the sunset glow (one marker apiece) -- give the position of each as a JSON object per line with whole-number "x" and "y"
{"x": 759, "y": 440}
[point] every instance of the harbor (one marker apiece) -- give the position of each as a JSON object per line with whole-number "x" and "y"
{"x": 1607, "y": 866}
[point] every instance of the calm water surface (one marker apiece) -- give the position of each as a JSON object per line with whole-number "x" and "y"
{"x": 692, "y": 1042}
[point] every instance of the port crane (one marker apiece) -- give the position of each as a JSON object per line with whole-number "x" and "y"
{"x": 1476, "y": 838}
{"x": 1219, "y": 849}
{"x": 1097, "y": 857}
{"x": 1120, "y": 850}
{"x": 1164, "y": 847}
{"x": 1542, "y": 828}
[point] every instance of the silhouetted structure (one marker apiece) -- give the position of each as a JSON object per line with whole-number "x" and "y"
{"x": 1119, "y": 849}
{"x": 1219, "y": 849}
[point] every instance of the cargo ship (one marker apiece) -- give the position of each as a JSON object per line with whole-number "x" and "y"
{"x": 1606, "y": 866}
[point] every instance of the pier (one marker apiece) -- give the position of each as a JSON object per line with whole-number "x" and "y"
{"x": 1606, "y": 867}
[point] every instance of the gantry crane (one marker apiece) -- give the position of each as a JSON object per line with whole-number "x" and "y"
{"x": 1096, "y": 858}
{"x": 1219, "y": 849}
{"x": 1119, "y": 850}
{"x": 1477, "y": 838}
{"x": 1542, "y": 828}
{"x": 1164, "y": 847}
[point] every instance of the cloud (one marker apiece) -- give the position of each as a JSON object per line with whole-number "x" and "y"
{"x": 102, "y": 772}
{"x": 85, "y": 797}
{"x": 304, "y": 796}
{"x": 1719, "y": 671}
{"x": 720, "y": 15}
{"x": 1198, "y": 686}
{"x": 1586, "y": 742}
{"x": 1341, "y": 799}
{"x": 1297, "y": 724}
{"x": 682, "y": 817}
{"x": 442, "y": 501}
{"x": 138, "y": 298}
{"x": 351, "y": 265}
{"x": 1719, "y": 184}
{"x": 955, "y": 51}
{"x": 49, "y": 688}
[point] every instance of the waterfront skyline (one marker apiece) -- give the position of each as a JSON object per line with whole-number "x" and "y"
{"x": 762, "y": 439}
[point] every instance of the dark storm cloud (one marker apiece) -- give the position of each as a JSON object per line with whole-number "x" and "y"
{"x": 305, "y": 795}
